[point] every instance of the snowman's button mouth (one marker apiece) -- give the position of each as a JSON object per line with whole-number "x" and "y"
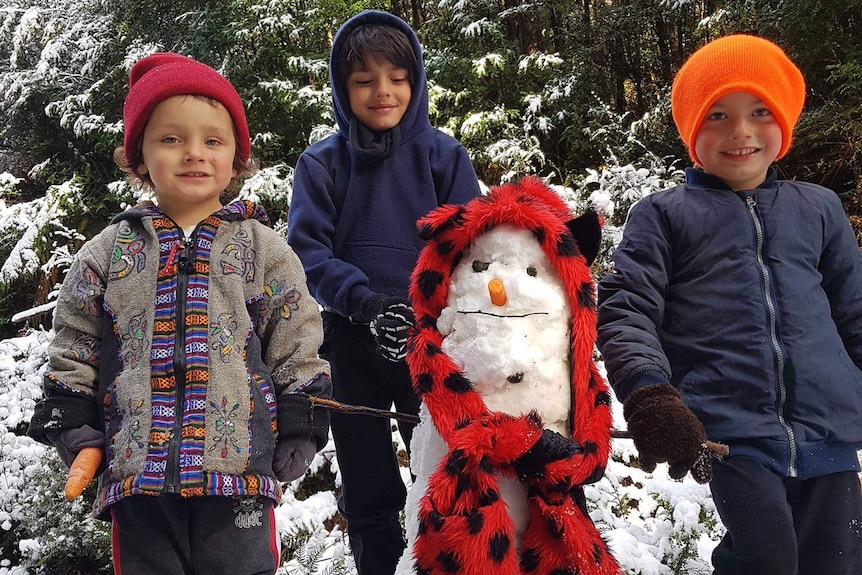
{"x": 480, "y": 312}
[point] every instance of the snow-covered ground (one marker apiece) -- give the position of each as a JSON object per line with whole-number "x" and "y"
{"x": 655, "y": 525}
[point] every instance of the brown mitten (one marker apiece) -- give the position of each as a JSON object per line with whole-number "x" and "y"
{"x": 664, "y": 429}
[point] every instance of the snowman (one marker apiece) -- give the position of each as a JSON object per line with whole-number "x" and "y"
{"x": 515, "y": 418}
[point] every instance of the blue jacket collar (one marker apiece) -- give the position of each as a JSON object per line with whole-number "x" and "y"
{"x": 697, "y": 178}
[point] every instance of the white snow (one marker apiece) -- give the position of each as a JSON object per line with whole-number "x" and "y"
{"x": 655, "y": 525}
{"x": 526, "y": 337}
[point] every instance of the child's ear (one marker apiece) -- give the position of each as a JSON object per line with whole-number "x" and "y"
{"x": 587, "y": 231}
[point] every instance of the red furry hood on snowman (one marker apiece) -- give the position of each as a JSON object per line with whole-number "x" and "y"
{"x": 570, "y": 244}
{"x": 464, "y": 523}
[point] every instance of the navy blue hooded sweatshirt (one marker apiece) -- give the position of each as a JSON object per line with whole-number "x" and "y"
{"x": 750, "y": 304}
{"x": 353, "y": 216}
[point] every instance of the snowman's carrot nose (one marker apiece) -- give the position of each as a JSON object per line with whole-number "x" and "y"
{"x": 497, "y": 292}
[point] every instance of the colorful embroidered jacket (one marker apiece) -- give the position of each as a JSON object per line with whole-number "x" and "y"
{"x": 187, "y": 353}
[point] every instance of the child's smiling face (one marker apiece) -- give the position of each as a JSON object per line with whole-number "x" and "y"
{"x": 738, "y": 140}
{"x": 188, "y": 151}
{"x": 379, "y": 94}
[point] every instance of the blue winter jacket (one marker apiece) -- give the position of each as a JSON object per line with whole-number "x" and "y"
{"x": 750, "y": 304}
{"x": 353, "y": 221}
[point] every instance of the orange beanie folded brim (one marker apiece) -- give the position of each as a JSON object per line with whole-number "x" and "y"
{"x": 737, "y": 63}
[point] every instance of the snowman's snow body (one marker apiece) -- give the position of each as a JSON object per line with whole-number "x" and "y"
{"x": 516, "y": 353}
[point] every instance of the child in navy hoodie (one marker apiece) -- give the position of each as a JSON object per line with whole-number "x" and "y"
{"x": 356, "y": 198}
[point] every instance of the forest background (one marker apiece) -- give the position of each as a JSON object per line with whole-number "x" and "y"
{"x": 571, "y": 90}
{"x": 575, "y": 91}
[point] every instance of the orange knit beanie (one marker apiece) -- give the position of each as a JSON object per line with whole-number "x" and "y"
{"x": 737, "y": 63}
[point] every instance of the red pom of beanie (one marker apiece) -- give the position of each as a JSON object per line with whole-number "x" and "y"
{"x": 737, "y": 63}
{"x": 163, "y": 75}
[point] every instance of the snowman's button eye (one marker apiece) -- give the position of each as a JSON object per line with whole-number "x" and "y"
{"x": 531, "y": 271}
{"x": 480, "y": 266}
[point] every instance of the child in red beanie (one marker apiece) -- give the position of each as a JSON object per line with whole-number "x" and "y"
{"x": 734, "y": 312}
{"x": 183, "y": 333}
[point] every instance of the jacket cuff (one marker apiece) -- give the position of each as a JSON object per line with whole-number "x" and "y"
{"x": 296, "y": 416}
{"x": 370, "y": 307}
{"x": 638, "y": 380}
{"x": 63, "y": 410}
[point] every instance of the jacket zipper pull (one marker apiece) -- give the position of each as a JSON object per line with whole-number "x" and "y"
{"x": 176, "y": 248}
{"x": 183, "y": 263}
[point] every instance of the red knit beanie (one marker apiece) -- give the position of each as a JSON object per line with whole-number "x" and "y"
{"x": 164, "y": 74}
{"x": 737, "y": 63}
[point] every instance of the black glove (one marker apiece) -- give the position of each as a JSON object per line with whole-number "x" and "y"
{"x": 664, "y": 429}
{"x": 70, "y": 442}
{"x": 390, "y": 327}
{"x": 551, "y": 447}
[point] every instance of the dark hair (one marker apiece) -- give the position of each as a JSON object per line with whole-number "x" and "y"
{"x": 378, "y": 42}
{"x": 135, "y": 178}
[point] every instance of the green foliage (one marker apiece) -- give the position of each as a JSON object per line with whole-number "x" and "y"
{"x": 683, "y": 540}
{"x": 310, "y": 553}
{"x": 560, "y": 88}
{"x": 67, "y": 539}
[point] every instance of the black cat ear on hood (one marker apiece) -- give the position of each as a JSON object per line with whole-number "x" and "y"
{"x": 587, "y": 231}
{"x": 443, "y": 218}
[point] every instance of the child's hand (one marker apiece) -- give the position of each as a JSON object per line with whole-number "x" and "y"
{"x": 664, "y": 429}
{"x": 70, "y": 442}
{"x": 293, "y": 455}
{"x": 390, "y": 328}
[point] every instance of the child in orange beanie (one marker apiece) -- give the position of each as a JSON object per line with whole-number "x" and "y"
{"x": 734, "y": 312}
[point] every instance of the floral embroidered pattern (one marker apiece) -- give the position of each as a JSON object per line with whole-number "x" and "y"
{"x": 225, "y": 427}
{"x": 243, "y": 256}
{"x": 223, "y": 333}
{"x": 86, "y": 291}
{"x": 133, "y": 343}
{"x": 128, "y": 252}
{"x": 85, "y": 347}
{"x": 277, "y": 297}
{"x": 130, "y": 431}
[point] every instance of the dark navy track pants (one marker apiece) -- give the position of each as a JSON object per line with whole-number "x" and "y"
{"x": 373, "y": 492}
{"x": 172, "y": 535}
{"x": 783, "y": 525}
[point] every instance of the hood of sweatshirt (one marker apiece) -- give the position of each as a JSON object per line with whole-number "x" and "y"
{"x": 415, "y": 119}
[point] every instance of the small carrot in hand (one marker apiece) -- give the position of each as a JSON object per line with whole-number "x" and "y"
{"x": 83, "y": 471}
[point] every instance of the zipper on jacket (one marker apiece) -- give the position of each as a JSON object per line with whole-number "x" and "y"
{"x": 172, "y": 465}
{"x": 773, "y": 332}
